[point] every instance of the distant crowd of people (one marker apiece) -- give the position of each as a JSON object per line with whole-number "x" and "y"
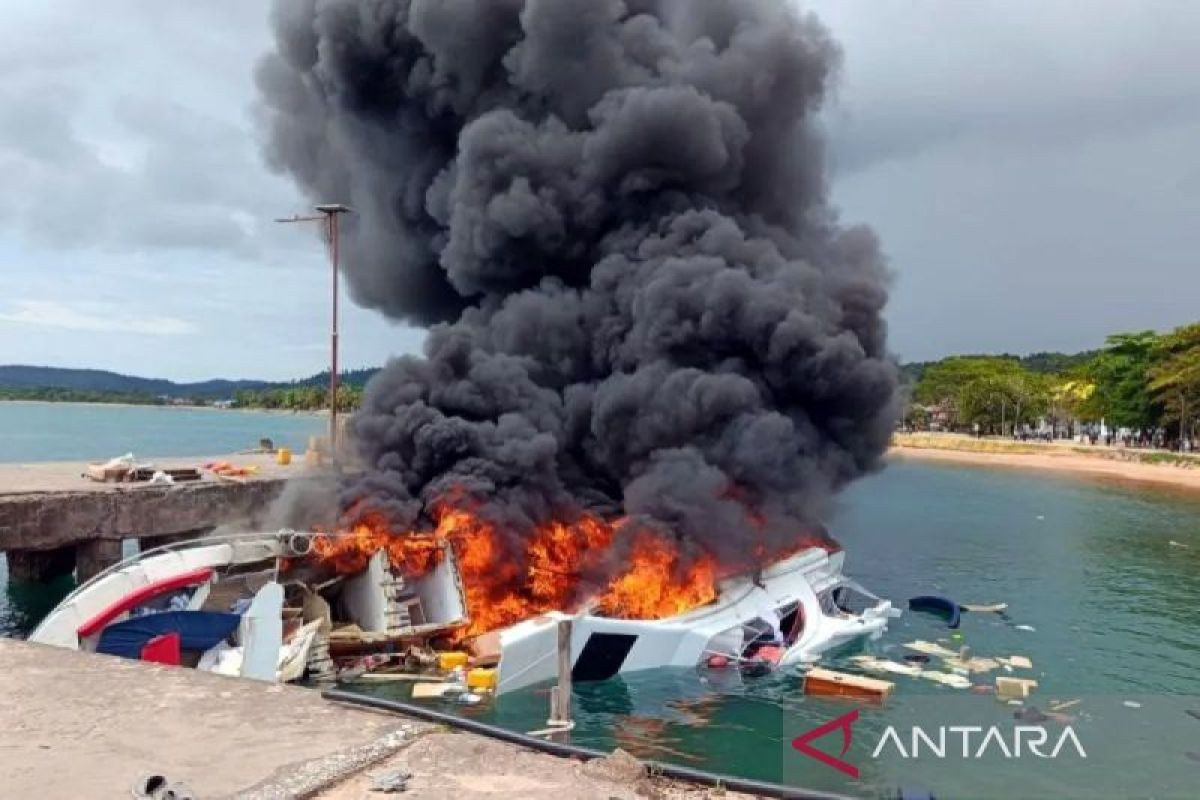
{"x": 1148, "y": 440}
{"x": 1096, "y": 435}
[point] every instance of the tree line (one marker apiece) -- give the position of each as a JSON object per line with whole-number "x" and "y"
{"x": 54, "y": 394}
{"x": 1144, "y": 384}
{"x": 299, "y": 398}
{"x": 294, "y": 398}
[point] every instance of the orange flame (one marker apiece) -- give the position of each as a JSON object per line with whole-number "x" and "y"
{"x": 504, "y": 587}
{"x": 655, "y": 586}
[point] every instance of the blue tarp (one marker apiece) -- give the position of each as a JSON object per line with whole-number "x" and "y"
{"x": 198, "y": 630}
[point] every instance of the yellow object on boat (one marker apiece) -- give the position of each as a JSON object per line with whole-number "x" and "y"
{"x": 481, "y": 678}
{"x": 283, "y": 456}
{"x": 452, "y": 659}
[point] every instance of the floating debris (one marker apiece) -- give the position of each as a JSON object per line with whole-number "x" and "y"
{"x": 1018, "y": 662}
{"x": 931, "y": 649}
{"x": 883, "y": 665}
{"x": 827, "y": 683}
{"x": 1011, "y": 688}
{"x": 872, "y": 664}
{"x": 425, "y": 691}
{"x": 946, "y": 679}
{"x": 1064, "y": 705}
{"x": 985, "y": 608}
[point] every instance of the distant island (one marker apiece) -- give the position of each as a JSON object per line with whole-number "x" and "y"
{"x": 54, "y": 384}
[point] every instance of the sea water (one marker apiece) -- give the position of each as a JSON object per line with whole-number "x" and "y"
{"x": 1102, "y": 583}
{"x": 86, "y": 432}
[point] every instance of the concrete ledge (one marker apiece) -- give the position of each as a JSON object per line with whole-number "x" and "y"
{"x": 48, "y": 520}
{"x": 79, "y": 725}
{"x": 53, "y": 521}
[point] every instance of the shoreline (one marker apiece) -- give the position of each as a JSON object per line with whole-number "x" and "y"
{"x": 1065, "y": 460}
{"x": 91, "y": 403}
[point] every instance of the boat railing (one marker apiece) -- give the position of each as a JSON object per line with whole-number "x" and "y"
{"x": 285, "y": 536}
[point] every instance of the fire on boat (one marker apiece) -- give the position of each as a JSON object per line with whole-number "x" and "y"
{"x": 289, "y": 606}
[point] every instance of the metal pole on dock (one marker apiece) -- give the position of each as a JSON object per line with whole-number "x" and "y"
{"x": 329, "y": 213}
{"x": 560, "y": 696}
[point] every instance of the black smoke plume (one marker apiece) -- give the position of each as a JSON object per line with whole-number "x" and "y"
{"x": 614, "y": 214}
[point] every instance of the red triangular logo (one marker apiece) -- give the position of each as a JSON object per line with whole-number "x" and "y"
{"x": 843, "y": 723}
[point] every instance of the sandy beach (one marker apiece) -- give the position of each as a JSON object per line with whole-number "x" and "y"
{"x": 1099, "y": 463}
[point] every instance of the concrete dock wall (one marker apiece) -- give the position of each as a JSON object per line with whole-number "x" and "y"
{"x": 53, "y": 522}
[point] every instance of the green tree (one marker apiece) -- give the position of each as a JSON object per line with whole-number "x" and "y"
{"x": 1002, "y": 401}
{"x": 1121, "y": 374}
{"x": 969, "y": 386}
{"x": 1174, "y": 380}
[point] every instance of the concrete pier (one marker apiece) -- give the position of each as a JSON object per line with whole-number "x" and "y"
{"x": 78, "y": 725}
{"x": 53, "y": 521}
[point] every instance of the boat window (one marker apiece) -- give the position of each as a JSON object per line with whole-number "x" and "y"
{"x": 791, "y": 621}
{"x": 728, "y": 643}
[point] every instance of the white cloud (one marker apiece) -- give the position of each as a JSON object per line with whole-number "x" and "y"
{"x": 93, "y": 317}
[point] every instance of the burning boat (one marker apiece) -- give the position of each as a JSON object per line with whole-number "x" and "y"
{"x": 280, "y": 606}
{"x": 792, "y": 613}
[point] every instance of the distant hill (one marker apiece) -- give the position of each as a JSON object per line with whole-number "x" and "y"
{"x": 1045, "y": 363}
{"x": 354, "y": 377}
{"x": 94, "y": 380}
{"x": 101, "y": 381}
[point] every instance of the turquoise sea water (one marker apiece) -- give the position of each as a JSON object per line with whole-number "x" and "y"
{"x": 77, "y": 432}
{"x": 1107, "y": 577}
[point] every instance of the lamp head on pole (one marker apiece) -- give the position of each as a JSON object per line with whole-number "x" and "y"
{"x": 333, "y": 208}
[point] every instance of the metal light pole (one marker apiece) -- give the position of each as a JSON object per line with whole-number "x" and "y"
{"x": 329, "y": 213}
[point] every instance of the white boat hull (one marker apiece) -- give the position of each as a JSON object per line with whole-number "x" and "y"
{"x": 602, "y": 647}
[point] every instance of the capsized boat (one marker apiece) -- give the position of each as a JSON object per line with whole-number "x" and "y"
{"x": 792, "y": 613}
{"x": 259, "y": 606}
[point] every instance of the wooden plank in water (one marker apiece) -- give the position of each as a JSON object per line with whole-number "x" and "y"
{"x": 827, "y": 683}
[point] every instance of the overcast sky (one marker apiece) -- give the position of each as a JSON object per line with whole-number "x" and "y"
{"x": 1032, "y": 168}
